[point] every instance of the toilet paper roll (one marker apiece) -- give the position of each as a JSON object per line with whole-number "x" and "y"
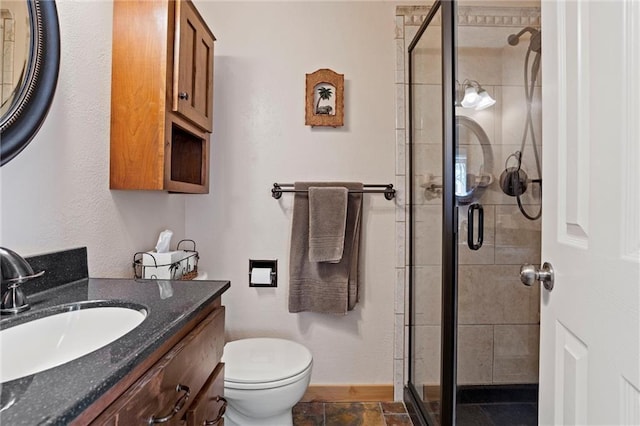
{"x": 261, "y": 276}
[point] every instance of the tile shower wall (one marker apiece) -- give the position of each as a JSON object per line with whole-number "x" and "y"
{"x": 498, "y": 316}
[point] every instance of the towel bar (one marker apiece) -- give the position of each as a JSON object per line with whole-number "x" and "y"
{"x": 388, "y": 191}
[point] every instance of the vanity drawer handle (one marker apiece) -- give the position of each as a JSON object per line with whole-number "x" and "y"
{"x": 220, "y": 412}
{"x": 184, "y": 96}
{"x": 176, "y": 408}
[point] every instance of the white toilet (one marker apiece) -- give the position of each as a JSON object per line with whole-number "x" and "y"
{"x": 263, "y": 379}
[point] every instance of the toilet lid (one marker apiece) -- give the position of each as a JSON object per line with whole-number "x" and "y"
{"x": 261, "y": 360}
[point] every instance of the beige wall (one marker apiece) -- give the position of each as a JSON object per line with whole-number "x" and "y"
{"x": 262, "y": 54}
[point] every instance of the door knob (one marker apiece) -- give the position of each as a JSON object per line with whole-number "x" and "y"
{"x": 184, "y": 96}
{"x": 529, "y": 274}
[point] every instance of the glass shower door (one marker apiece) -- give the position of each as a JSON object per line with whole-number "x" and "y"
{"x": 474, "y": 149}
{"x": 428, "y": 382}
{"x": 498, "y": 196}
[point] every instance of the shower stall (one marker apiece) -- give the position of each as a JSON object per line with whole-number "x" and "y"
{"x": 473, "y": 213}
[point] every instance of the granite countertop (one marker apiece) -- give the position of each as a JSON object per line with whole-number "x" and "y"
{"x": 58, "y": 395}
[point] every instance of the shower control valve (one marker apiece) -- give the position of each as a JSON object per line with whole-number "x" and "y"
{"x": 529, "y": 274}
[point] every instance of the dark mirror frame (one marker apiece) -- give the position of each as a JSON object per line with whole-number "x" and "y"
{"x": 24, "y": 119}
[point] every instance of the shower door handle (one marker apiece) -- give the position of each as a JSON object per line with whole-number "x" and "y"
{"x": 475, "y": 244}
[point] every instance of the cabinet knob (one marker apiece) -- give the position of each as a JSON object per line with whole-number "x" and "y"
{"x": 183, "y": 96}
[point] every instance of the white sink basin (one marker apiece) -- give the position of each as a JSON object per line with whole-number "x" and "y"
{"x": 56, "y": 339}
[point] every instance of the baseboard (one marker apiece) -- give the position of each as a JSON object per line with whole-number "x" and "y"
{"x": 348, "y": 393}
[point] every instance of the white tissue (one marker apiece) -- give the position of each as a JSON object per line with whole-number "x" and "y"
{"x": 164, "y": 241}
{"x": 261, "y": 276}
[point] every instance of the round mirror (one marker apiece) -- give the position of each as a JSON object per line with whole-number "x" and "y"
{"x": 474, "y": 160}
{"x": 31, "y": 58}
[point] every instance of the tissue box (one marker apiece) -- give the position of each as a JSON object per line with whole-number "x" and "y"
{"x": 167, "y": 266}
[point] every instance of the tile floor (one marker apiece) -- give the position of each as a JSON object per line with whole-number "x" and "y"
{"x": 493, "y": 405}
{"x": 350, "y": 414}
{"x": 505, "y": 405}
{"x": 515, "y": 414}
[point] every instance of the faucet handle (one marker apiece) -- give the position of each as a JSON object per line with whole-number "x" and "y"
{"x": 14, "y": 270}
{"x": 14, "y": 300}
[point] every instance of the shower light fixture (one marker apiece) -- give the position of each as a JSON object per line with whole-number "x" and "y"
{"x": 471, "y": 98}
{"x": 471, "y": 95}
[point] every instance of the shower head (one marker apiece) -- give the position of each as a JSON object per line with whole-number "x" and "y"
{"x": 535, "y": 43}
{"x": 515, "y": 38}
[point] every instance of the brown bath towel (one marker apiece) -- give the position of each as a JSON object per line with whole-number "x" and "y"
{"x": 327, "y": 223}
{"x": 322, "y": 286}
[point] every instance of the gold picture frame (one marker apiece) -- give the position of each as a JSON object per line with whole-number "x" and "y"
{"x": 324, "y": 98}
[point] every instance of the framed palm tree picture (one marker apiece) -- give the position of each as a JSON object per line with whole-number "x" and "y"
{"x": 324, "y": 99}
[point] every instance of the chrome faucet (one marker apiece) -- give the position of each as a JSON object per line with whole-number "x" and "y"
{"x": 15, "y": 271}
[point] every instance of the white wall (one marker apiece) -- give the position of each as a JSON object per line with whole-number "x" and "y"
{"x": 55, "y": 194}
{"x": 262, "y": 54}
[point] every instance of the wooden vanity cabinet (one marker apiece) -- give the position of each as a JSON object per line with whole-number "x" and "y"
{"x": 161, "y": 97}
{"x": 182, "y": 387}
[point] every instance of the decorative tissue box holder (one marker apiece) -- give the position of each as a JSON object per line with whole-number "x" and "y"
{"x": 173, "y": 265}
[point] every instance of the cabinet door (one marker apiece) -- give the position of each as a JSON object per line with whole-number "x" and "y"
{"x": 193, "y": 67}
{"x": 207, "y": 408}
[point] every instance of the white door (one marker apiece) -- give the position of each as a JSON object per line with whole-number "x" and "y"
{"x": 590, "y": 326}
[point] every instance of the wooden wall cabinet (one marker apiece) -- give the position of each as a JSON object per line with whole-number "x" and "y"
{"x": 183, "y": 387}
{"x": 161, "y": 97}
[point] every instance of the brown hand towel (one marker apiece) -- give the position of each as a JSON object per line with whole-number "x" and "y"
{"x": 322, "y": 286}
{"x": 327, "y": 223}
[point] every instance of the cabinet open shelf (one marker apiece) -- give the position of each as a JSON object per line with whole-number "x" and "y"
{"x": 187, "y": 153}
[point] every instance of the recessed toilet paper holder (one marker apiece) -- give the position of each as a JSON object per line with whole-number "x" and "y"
{"x": 263, "y": 273}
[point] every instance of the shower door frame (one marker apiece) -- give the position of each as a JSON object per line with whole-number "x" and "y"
{"x": 449, "y": 283}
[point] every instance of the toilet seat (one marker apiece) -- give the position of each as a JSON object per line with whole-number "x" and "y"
{"x": 264, "y": 363}
{"x": 229, "y": 384}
